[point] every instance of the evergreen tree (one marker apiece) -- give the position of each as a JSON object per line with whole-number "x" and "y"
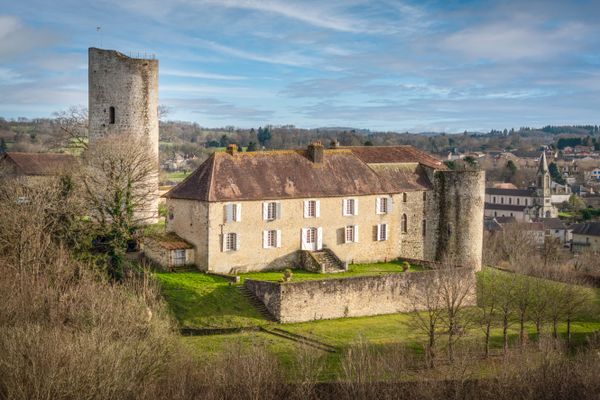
{"x": 263, "y": 136}
{"x": 251, "y": 146}
{"x": 556, "y": 177}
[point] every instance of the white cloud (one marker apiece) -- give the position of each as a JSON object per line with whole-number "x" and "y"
{"x": 287, "y": 58}
{"x": 200, "y": 75}
{"x": 514, "y": 41}
{"x": 15, "y": 38}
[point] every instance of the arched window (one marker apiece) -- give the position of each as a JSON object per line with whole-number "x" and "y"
{"x": 111, "y": 115}
{"x": 404, "y": 197}
{"x": 404, "y": 223}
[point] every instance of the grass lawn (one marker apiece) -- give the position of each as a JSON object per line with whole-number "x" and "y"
{"x": 177, "y": 176}
{"x": 565, "y": 214}
{"x": 204, "y": 301}
{"x": 353, "y": 270}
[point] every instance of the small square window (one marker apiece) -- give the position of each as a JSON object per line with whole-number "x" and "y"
{"x": 179, "y": 257}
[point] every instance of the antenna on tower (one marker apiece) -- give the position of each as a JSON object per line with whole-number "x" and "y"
{"x": 100, "y": 36}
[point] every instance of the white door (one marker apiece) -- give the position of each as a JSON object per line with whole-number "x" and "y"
{"x": 310, "y": 239}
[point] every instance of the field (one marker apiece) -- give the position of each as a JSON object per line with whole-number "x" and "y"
{"x": 203, "y": 301}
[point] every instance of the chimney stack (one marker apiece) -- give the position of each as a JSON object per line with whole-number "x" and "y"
{"x": 315, "y": 152}
{"x": 231, "y": 149}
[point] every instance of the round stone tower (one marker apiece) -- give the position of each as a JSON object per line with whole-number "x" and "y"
{"x": 123, "y": 99}
{"x": 459, "y": 198}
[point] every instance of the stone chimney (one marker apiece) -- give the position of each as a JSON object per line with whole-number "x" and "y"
{"x": 315, "y": 152}
{"x": 232, "y": 149}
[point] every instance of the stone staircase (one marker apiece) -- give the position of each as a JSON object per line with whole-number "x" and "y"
{"x": 329, "y": 262}
{"x": 256, "y": 303}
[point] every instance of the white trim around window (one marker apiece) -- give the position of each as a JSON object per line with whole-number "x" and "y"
{"x": 271, "y": 239}
{"x": 382, "y": 232}
{"x": 231, "y": 242}
{"x": 350, "y": 206}
{"x": 312, "y": 208}
{"x": 233, "y": 212}
{"x": 351, "y": 234}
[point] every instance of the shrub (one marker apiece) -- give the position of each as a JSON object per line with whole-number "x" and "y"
{"x": 287, "y": 275}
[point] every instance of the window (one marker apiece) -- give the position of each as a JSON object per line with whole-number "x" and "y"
{"x": 233, "y": 212}
{"x": 494, "y": 199}
{"x": 383, "y": 205}
{"x": 311, "y": 209}
{"x": 518, "y": 201}
{"x": 424, "y": 196}
{"x": 179, "y": 257}
{"x": 382, "y": 232}
{"x": 351, "y": 234}
{"x": 231, "y": 242}
{"x": 271, "y": 239}
{"x": 350, "y": 207}
{"x": 501, "y": 200}
{"x": 404, "y": 223}
{"x": 404, "y": 197}
{"x": 311, "y": 235}
{"x": 111, "y": 115}
{"x": 510, "y": 200}
{"x": 424, "y": 227}
{"x": 271, "y": 210}
{"x": 171, "y": 213}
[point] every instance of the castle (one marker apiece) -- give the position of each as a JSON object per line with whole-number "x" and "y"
{"x": 123, "y": 99}
{"x": 275, "y": 209}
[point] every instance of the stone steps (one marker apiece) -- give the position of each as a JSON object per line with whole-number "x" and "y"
{"x": 328, "y": 261}
{"x": 256, "y": 303}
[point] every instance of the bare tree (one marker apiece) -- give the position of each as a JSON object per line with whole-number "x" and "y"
{"x": 73, "y": 127}
{"x": 488, "y": 302}
{"x": 456, "y": 289}
{"x": 428, "y": 309}
{"x": 120, "y": 187}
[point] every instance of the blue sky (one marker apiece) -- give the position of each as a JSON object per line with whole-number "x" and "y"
{"x": 382, "y": 65}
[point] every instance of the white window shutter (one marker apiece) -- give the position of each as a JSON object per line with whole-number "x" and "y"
{"x": 265, "y": 211}
{"x": 238, "y": 212}
{"x": 317, "y": 208}
{"x": 265, "y": 239}
{"x": 356, "y": 233}
{"x": 278, "y": 238}
{"x": 237, "y": 241}
{"x": 277, "y": 210}
{"x": 227, "y": 210}
{"x": 378, "y": 205}
{"x": 224, "y": 242}
{"x": 344, "y": 202}
{"x": 303, "y": 239}
{"x": 319, "y": 238}
{"x": 390, "y": 202}
{"x": 355, "y": 206}
{"x": 305, "y": 208}
{"x": 378, "y": 232}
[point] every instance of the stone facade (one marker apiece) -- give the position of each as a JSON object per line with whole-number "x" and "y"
{"x": 439, "y": 214}
{"x": 353, "y": 297}
{"x": 123, "y": 99}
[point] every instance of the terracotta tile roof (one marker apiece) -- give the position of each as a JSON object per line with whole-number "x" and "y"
{"x": 291, "y": 174}
{"x": 39, "y": 163}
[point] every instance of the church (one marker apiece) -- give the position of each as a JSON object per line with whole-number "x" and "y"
{"x": 524, "y": 204}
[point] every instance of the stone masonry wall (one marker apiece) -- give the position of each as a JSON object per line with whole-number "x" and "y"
{"x": 188, "y": 219}
{"x": 130, "y": 85}
{"x": 459, "y": 200}
{"x": 350, "y": 297}
{"x": 253, "y": 257}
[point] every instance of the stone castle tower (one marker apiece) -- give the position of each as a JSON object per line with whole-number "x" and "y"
{"x": 123, "y": 99}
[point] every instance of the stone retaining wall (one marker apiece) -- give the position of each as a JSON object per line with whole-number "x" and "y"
{"x": 351, "y": 297}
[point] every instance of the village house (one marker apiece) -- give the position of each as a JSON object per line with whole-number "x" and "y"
{"x": 246, "y": 211}
{"x": 586, "y": 236}
{"x": 37, "y": 166}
